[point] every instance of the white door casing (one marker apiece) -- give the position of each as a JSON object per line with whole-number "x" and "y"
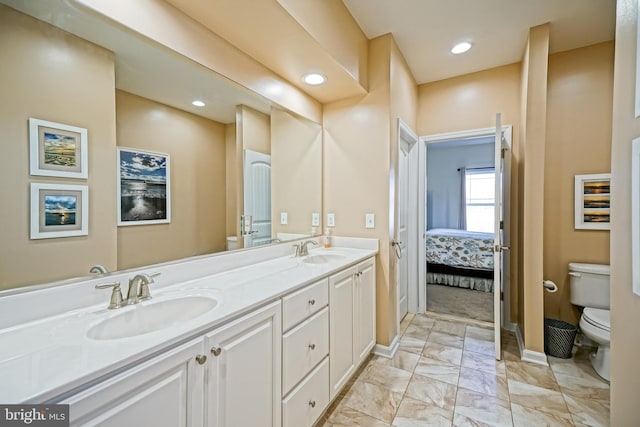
{"x": 497, "y": 238}
{"x": 257, "y": 197}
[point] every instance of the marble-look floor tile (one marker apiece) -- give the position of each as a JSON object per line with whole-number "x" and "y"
{"x": 585, "y": 388}
{"x": 462, "y": 421}
{"x": 446, "y": 339}
{"x": 411, "y": 345}
{"x": 373, "y": 400}
{"x": 393, "y": 379}
{"x": 527, "y": 417}
{"x": 590, "y": 412}
{"x": 417, "y": 331}
{"x": 484, "y": 362}
{"x": 405, "y": 322}
{"x": 480, "y": 333}
{"x": 432, "y": 391}
{"x": 414, "y": 413}
{"x": 443, "y": 353}
{"x": 484, "y": 382}
{"x": 347, "y": 417}
{"x": 452, "y": 328}
{"x": 423, "y": 321}
{"x": 530, "y": 373}
{"x": 480, "y": 408}
{"x": 573, "y": 367}
{"x": 480, "y": 346}
{"x": 538, "y": 398}
{"x": 510, "y": 352}
{"x": 438, "y": 370}
{"x": 401, "y": 360}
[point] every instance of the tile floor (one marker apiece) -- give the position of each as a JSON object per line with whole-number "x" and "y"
{"x": 445, "y": 374}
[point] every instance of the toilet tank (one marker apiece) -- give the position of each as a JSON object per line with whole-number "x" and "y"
{"x": 589, "y": 285}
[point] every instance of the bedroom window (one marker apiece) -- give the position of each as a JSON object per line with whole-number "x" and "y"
{"x": 480, "y": 199}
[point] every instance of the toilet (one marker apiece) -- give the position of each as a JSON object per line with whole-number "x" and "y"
{"x": 589, "y": 288}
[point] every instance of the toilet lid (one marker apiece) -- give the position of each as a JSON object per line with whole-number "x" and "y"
{"x": 598, "y": 317}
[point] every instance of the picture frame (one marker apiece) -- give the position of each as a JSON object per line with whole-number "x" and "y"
{"x": 143, "y": 187}
{"x": 635, "y": 215}
{"x": 59, "y": 210}
{"x": 57, "y": 149}
{"x": 592, "y": 202}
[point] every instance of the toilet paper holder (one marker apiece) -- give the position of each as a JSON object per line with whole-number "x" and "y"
{"x": 550, "y": 286}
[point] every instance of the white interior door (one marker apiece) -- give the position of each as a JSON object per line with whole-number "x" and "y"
{"x": 401, "y": 243}
{"x": 497, "y": 239}
{"x": 257, "y": 197}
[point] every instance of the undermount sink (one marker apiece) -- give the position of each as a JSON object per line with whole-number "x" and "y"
{"x": 152, "y": 316}
{"x": 323, "y": 258}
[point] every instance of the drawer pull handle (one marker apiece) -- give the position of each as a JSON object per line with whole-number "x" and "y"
{"x": 201, "y": 359}
{"x": 312, "y": 302}
{"x": 216, "y": 351}
{"x": 312, "y": 346}
{"x": 312, "y": 403}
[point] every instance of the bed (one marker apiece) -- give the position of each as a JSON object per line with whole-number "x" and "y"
{"x": 460, "y": 258}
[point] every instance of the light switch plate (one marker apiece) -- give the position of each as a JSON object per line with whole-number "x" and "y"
{"x": 331, "y": 220}
{"x": 315, "y": 219}
{"x": 370, "y": 220}
{"x": 284, "y": 218}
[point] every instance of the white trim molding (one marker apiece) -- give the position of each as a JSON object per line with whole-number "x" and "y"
{"x": 529, "y": 355}
{"x": 387, "y": 351}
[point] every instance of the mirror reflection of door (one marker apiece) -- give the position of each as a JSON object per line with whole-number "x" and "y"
{"x": 257, "y": 197}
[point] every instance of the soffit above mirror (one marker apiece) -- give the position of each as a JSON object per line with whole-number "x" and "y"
{"x": 147, "y": 69}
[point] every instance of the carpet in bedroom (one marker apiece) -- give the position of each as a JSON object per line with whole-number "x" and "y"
{"x": 462, "y": 302}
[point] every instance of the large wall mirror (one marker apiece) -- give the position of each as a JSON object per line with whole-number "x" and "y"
{"x": 243, "y": 172}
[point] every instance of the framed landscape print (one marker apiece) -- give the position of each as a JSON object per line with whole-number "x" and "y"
{"x": 593, "y": 202}
{"x": 59, "y": 210}
{"x": 56, "y": 149}
{"x": 144, "y": 190}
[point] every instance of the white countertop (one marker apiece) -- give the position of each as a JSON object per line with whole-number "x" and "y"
{"x": 43, "y": 359}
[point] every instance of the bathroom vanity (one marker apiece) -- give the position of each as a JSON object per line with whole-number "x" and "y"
{"x": 250, "y": 338}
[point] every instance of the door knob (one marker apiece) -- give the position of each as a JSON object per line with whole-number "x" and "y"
{"x": 216, "y": 351}
{"x": 201, "y": 359}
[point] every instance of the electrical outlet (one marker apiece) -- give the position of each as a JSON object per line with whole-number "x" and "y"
{"x": 284, "y": 218}
{"x": 331, "y": 220}
{"x": 315, "y": 219}
{"x": 370, "y": 220}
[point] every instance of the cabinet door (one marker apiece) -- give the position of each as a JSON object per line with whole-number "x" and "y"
{"x": 365, "y": 309}
{"x": 244, "y": 383}
{"x": 341, "y": 328}
{"x": 165, "y": 391}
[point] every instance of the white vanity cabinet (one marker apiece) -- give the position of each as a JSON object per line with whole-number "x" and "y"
{"x": 352, "y": 320}
{"x": 164, "y": 391}
{"x": 305, "y": 355}
{"x": 243, "y": 383}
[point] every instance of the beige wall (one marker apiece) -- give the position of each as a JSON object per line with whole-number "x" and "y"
{"x": 196, "y": 147}
{"x": 296, "y": 172}
{"x": 233, "y": 218}
{"x": 579, "y": 104}
{"x": 471, "y": 102}
{"x": 51, "y": 75}
{"x": 255, "y": 128}
{"x": 625, "y": 305}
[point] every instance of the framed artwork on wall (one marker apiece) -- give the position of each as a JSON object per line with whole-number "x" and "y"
{"x": 59, "y": 210}
{"x": 635, "y": 215}
{"x": 144, "y": 187}
{"x": 56, "y": 149}
{"x": 593, "y": 202}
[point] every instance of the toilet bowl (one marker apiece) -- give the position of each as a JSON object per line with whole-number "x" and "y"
{"x": 595, "y": 324}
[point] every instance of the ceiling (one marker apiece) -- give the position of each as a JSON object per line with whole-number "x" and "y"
{"x": 425, "y": 30}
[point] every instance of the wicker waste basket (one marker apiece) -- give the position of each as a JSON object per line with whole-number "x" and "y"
{"x": 558, "y": 338}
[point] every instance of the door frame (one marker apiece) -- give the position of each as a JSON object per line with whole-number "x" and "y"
{"x": 507, "y": 131}
{"x": 406, "y": 135}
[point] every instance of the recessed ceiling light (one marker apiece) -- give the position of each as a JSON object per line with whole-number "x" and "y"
{"x": 198, "y": 103}
{"x": 461, "y": 48}
{"x": 314, "y": 79}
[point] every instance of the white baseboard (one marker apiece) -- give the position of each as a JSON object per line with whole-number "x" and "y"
{"x": 387, "y": 351}
{"x": 508, "y": 326}
{"x": 529, "y": 355}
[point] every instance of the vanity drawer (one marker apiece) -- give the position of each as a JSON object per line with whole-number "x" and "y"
{"x": 307, "y": 401}
{"x": 303, "y": 347}
{"x": 303, "y": 303}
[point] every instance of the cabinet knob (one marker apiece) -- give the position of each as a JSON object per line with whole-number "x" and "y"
{"x": 201, "y": 359}
{"x": 312, "y": 302}
{"x": 216, "y": 351}
{"x": 312, "y": 403}
{"x": 312, "y": 346}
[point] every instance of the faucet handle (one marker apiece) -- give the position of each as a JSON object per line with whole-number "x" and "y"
{"x": 116, "y": 294}
{"x": 143, "y": 292}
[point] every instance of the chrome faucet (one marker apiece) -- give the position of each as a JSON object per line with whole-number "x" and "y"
{"x": 302, "y": 248}
{"x": 139, "y": 287}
